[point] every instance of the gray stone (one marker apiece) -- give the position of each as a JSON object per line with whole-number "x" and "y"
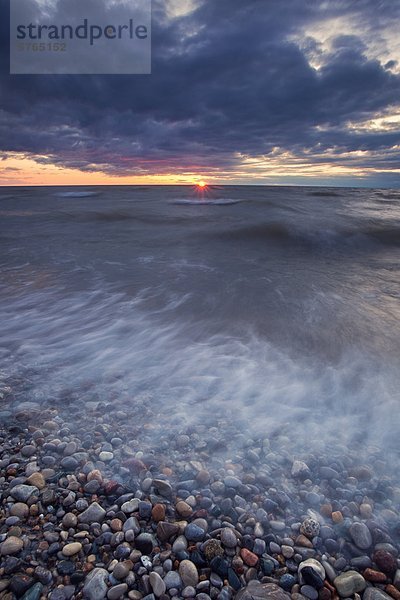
{"x": 120, "y": 571}
{"x": 94, "y": 514}
{"x": 194, "y": 533}
{"x": 373, "y": 593}
{"x": 349, "y": 583}
{"x": 232, "y": 482}
{"x": 117, "y": 591}
{"x": 23, "y": 492}
{"x": 95, "y": 586}
{"x": 11, "y": 545}
{"x": 157, "y": 584}
{"x": 69, "y": 463}
{"x": 309, "y": 592}
{"x": 300, "y": 469}
{"x": 164, "y": 487}
{"x": 106, "y": 456}
{"x": 228, "y": 538}
{"x": 131, "y": 524}
{"x": 188, "y": 573}
{"x": 261, "y": 591}
{"x": 173, "y": 580}
{"x": 28, "y": 450}
{"x": 361, "y": 535}
{"x": 314, "y": 565}
{"x": 69, "y": 520}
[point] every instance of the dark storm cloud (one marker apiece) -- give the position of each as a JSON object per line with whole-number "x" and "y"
{"x": 229, "y": 79}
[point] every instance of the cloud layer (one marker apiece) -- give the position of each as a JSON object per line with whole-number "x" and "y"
{"x": 233, "y": 83}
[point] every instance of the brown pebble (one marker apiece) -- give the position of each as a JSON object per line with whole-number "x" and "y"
{"x": 337, "y": 517}
{"x": 158, "y": 512}
{"x": 37, "y": 480}
{"x": 375, "y": 576}
{"x": 249, "y": 558}
{"x": 203, "y": 477}
{"x": 302, "y": 540}
{"x": 392, "y": 591}
{"x": 116, "y": 525}
{"x": 183, "y": 509}
{"x": 324, "y": 594}
{"x": 326, "y": 510}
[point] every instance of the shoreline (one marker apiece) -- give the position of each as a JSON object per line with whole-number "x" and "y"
{"x": 102, "y": 514}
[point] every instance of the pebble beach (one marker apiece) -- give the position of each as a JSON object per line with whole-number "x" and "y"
{"x": 92, "y": 507}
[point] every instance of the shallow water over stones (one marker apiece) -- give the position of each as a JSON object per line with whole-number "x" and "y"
{"x": 205, "y": 520}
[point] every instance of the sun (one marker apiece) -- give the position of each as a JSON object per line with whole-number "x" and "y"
{"x": 201, "y": 184}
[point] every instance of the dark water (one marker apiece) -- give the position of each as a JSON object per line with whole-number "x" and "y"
{"x": 281, "y": 305}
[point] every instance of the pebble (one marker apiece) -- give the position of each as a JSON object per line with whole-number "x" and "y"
{"x": 173, "y": 580}
{"x": 183, "y": 509}
{"x": 248, "y": 557}
{"x": 194, "y": 533}
{"x": 361, "y": 535}
{"x": 23, "y": 492}
{"x": 72, "y": 549}
{"x": 373, "y": 593}
{"x": 95, "y": 587}
{"x": 385, "y": 561}
{"x": 37, "y": 480}
{"x": 310, "y": 527}
{"x": 188, "y": 573}
{"x": 228, "y": 538}
{"x": 117, "y": 591}
{"x": 157, "y": 584}
{"x": 12, "y": 545}
{"x": 349, "y": 583}
{"x": 93, "y": 514}
{"x": 309, "y": 592}
{"x": 19, "y": 509}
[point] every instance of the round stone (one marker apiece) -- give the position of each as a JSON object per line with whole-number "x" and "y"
{"x": 11, "y": 545}
{"x": 117, "y": 591}
{"x": 183, "y": 509}
{"x": 311, "y": 572}
{"x": 121, "y": 570}
{"x": 72, "y": 549}
{"x": 349, "y": 583}
{"x": 22, "y": 492}
{"x": 157, "y": 584}
{"x": 361, "y": 535}
{"x": 194, "y": 533}
{"x": 69, "y": 520}
{"x": 310, "y": 527}
{"x": 188, "y": 573}
{"x": 385, "y": 561}
{"x": 309, "y": 592}
{"x": 228, "y": 538}
{"x": 19, "y": 509}
{"x": 106, "y": 456}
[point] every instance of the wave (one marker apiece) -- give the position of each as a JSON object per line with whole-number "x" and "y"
{"x": 81, "y": 194}
{"x": 206, "y": 201}
{"x": 283, "y": 234}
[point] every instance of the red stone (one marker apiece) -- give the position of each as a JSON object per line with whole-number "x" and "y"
{"x": 385, "y": 561}
{"x": 375, "y": 576}
{"x": 249, "y": 558}
{"x": 110, "y": 487}
{"x": 158, "y": 512}
{"x": 392, "y": 591}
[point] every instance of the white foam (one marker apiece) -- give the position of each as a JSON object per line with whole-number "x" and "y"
{"x": 75, "y": 194}
{"x": 206, "y": 201}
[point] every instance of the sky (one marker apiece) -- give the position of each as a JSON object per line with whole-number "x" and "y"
{"x": 293, "y": 92}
